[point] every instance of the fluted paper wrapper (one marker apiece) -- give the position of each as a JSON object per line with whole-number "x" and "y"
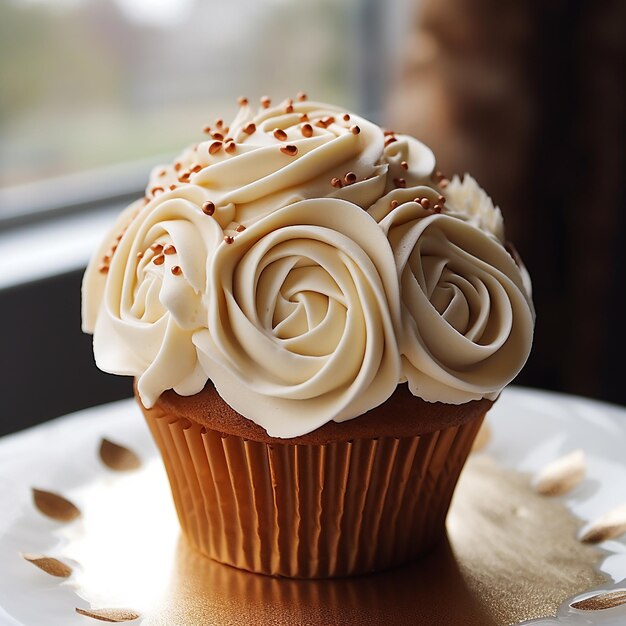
{"x": 310, "y": 511}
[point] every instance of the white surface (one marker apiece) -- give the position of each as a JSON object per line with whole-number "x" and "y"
{"x": 530, "y": 429}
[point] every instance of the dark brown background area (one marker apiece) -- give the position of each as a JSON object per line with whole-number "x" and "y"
{"x": 530, "y": 98}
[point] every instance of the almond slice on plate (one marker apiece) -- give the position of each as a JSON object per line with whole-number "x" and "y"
{"x": 55, "y": 506}
{"x": 605, "y": 600}
{"x": 609, "y": 526}
{"x": 110, "y": 615}
{"x": 117, "y": 457}
{"x": 49, "y": 564}
{"x": 561, "y": 475}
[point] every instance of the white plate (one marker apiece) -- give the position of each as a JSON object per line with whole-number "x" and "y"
{"x": 530, "y": 429}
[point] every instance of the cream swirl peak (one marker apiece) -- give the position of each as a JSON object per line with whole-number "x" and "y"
{"x": 291, "y": 152}
{"x": 307, "y": 262}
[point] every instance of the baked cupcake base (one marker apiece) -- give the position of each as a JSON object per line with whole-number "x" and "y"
{"x": 335, "y": 502}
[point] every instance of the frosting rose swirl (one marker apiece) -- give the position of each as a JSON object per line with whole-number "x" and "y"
{"x": 298, "y": 150}
{"x": 146, "y": 296}
{"x": 467, "y": 318}
{"x": 303, "y": 311}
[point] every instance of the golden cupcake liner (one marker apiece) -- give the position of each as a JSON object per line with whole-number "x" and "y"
{"x": 310, "y": 511}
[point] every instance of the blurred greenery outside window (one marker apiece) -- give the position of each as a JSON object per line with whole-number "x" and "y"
{"x": 90, "y": 83}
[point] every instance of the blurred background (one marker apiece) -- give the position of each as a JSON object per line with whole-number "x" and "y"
{"x": 529, "y": 97}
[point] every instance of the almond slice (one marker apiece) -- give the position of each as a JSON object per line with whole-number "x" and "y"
{"x": 117, "y": 457}
{"x": 110, "y": 615}
{"x": 605, "y": 600}
{"x": 49, "y": 564}
{"x": 609, "y": 526}
{"x": 55, "y": 506}
{"x": 561, "y": 475}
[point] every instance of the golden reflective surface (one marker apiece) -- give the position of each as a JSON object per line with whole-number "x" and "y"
{"x": 512, "y": 555}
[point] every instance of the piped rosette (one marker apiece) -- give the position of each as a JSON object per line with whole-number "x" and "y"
{"x": 303, "y": 311}
{"x": 144, "y": 310}
{"x": 467, "y": 317}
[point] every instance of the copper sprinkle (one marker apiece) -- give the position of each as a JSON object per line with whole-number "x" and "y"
{"x": 157, "y": 248}
{"x": 390, "y": 140}
{"x": 156, "y": 190}
{"x": 399, "y": 182}
{"x": 425, "y": 202}
{"x": 307, "y": 130}
{"x": 240, "y": 228}
{"x": 265, "y": 102}
{"x": 437, "y": 208}
{"x": 336, "y": 182}
{"x": 216, "y": 146}
{"x": 172, "y": 187}
{"x": 250, "y": 128}
{"x": 103, "y": 269}
{"x": 404, "y": 165}
{"x": 394, "y": 204}
{"x": 206, "y": 129}
{"x": 242, "y": 101}
{"x": 325, "y": 122}
{"x": 219, "y": 122}
{"x": 177, "y": 166}
{"x": 304, "y": 117}
{"x": 176, "y": 270}
{"x": 217, "y": 136}
{"x": 301, "y": 96}
{"x": 230, "y": 147}
{"x": 349, "y": 178}
{"x": 196, "y": 168}
{"x": 169, "y": 249}
{"x": 280, "y": 134}
{"x": 355, "y": 130}
{"x": 208, "y": 208}
{"x": 228, "y": 239}
{"x": 346, "y": 117}
{"x": 289, "y": 150}
{"x": 159, "y": 260}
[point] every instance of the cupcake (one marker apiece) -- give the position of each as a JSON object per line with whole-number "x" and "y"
{"x": 317, "y": 322}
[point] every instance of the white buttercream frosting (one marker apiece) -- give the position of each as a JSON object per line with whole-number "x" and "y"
{"x": 466, "y": 316}
{"x": 301, "y": 321}
{"x": 143, "y": 315}
{"x": 286, "y": 259}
